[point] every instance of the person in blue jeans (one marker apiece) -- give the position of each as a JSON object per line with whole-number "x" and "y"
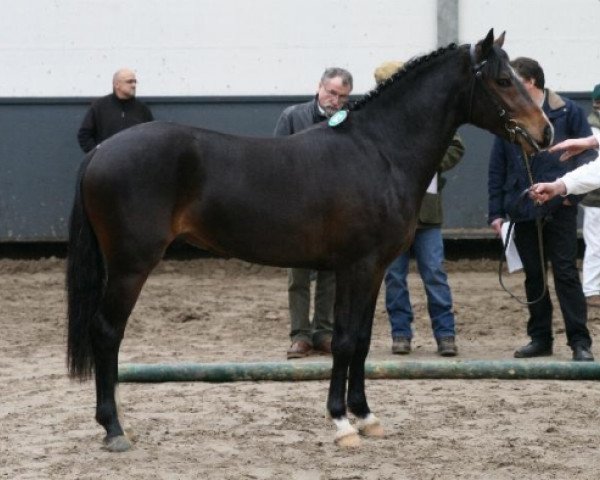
{"x": 428, "y": 249}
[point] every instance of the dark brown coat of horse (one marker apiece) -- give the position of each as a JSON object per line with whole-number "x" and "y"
{"x": 342, "y": 198}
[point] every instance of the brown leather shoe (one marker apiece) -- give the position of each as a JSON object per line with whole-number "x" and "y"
{"x": 324, "y": 346}
{"x": 447, "y": 347}
{"x": 299, "y": 349}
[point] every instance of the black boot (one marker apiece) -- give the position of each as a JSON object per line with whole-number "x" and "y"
{"x": 534, "y": 349}
{"x": 581, "y": 353}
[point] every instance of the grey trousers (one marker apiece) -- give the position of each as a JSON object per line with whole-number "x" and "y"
{"x": 299, "y": 303}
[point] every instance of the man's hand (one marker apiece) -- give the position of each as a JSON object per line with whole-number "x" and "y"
{"x": 574, "y": 146}
{"x": 542, "y": 192}
{"x": 497, "y": 226}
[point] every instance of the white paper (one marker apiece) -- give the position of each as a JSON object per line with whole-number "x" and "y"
{"x": 513, "y": 260}
{"x": 433, "y": 187}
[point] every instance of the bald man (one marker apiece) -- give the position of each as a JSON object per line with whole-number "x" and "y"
{"x": 115, "y": 112}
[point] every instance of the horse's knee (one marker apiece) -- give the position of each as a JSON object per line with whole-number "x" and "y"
{"x": 343, "y": 347}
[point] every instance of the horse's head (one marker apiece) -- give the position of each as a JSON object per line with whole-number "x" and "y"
{"x": 498, "y": 100}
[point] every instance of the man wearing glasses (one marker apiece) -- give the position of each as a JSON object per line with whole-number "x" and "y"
{"x": 332, "y": 95}
{"x": 114, "y": 112}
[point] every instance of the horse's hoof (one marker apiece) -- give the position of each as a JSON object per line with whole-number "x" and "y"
{"x": 352, "y": 440}
{"x": 119, "y": 443}
{"x": 372, "y": 430}
{"x": 370, "y": 426}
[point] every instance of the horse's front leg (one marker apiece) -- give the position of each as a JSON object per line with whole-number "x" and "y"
{"x": 355, "y": 302}
{"x": 367, "y": 424}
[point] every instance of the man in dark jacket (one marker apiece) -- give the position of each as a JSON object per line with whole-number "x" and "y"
{"x": 115, "y": 112}
{"x": 332, "y": 95}
{"x": 508, "y": 178}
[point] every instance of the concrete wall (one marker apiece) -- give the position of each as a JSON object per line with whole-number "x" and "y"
{"x": 67, "y": 48}
{"x": 233, "y": 65}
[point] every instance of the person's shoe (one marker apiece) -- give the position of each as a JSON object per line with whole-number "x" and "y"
{"x": 299, "y": 349}
{"x": 534, "y": 349}
{"x": 324, "y": 345}
{"x": 581, "y": 353}
{"x": 447, "y": 347}
{"x": 400, "y": 345}
{"x": 593, "y": 301}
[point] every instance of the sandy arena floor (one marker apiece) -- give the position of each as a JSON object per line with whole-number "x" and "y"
{"x": 218, "y": 311}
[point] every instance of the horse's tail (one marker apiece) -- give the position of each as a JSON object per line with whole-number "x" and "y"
{"x": 85, "y": 284}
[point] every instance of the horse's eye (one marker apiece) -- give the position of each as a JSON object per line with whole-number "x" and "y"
{"x": 503, "y": 82}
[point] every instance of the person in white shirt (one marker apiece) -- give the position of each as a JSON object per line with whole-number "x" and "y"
{"x": 591, "y": 221}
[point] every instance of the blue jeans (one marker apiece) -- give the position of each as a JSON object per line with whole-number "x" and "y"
{"x": 428, "y": 249}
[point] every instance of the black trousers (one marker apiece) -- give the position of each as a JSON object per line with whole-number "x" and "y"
{"x": 560, "y": 248}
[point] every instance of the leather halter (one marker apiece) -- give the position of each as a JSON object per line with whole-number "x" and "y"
{"x": 510, "y": 125}
{"x": 513, "y": 130}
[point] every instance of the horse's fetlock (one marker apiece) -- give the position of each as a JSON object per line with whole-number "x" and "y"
{"x": 337, "y": 410}
{"x": 107, "y": 415}
{"x": 359, "y": 408}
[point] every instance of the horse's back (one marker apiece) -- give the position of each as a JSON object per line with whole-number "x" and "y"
{"x": 289, "y": 200}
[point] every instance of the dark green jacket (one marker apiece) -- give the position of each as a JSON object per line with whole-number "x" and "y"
{"x": 431, "y": 214}
{"x": 592, "y": 199}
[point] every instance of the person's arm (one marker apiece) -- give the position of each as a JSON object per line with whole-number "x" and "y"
{"x": 577, "y": 182}
{"x": 86, "y": 136}
{"x": 283, "y": 126}
{"x": 148, "y": 117}
{"x": 574, "y": 146}
{"x": 454, "y": 154}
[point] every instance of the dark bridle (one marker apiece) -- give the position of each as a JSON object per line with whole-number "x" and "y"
{"x": 513, "y": 130}
{"x": 510, "y": 125}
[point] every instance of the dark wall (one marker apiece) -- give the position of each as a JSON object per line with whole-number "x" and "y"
{"x": 39, "y": 157}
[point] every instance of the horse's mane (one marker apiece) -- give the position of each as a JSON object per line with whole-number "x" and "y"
{"x": 407, "y": 67}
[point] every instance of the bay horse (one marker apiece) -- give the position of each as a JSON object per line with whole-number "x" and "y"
{"x": 341, "y": 198}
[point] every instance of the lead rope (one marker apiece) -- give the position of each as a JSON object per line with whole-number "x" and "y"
{"x": 539, "y": 225}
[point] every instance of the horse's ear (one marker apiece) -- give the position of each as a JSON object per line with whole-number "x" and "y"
{"x": 486, "y": 44}
{"x": 500, "y": 40}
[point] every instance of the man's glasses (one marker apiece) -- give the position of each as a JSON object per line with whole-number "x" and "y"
{"x": 131, "y": 81}
{"x": 339, "y": 96}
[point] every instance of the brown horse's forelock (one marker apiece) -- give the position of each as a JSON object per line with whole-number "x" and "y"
{"x": 494, "y": 64}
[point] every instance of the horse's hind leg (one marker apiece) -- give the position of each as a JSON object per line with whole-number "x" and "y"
{"x": 124, "y": 284}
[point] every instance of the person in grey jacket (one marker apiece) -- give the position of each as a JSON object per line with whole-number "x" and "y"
{"x": 332, "y": 95}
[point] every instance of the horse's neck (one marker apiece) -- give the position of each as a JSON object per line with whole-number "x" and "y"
{"x": 418, "y": 116}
